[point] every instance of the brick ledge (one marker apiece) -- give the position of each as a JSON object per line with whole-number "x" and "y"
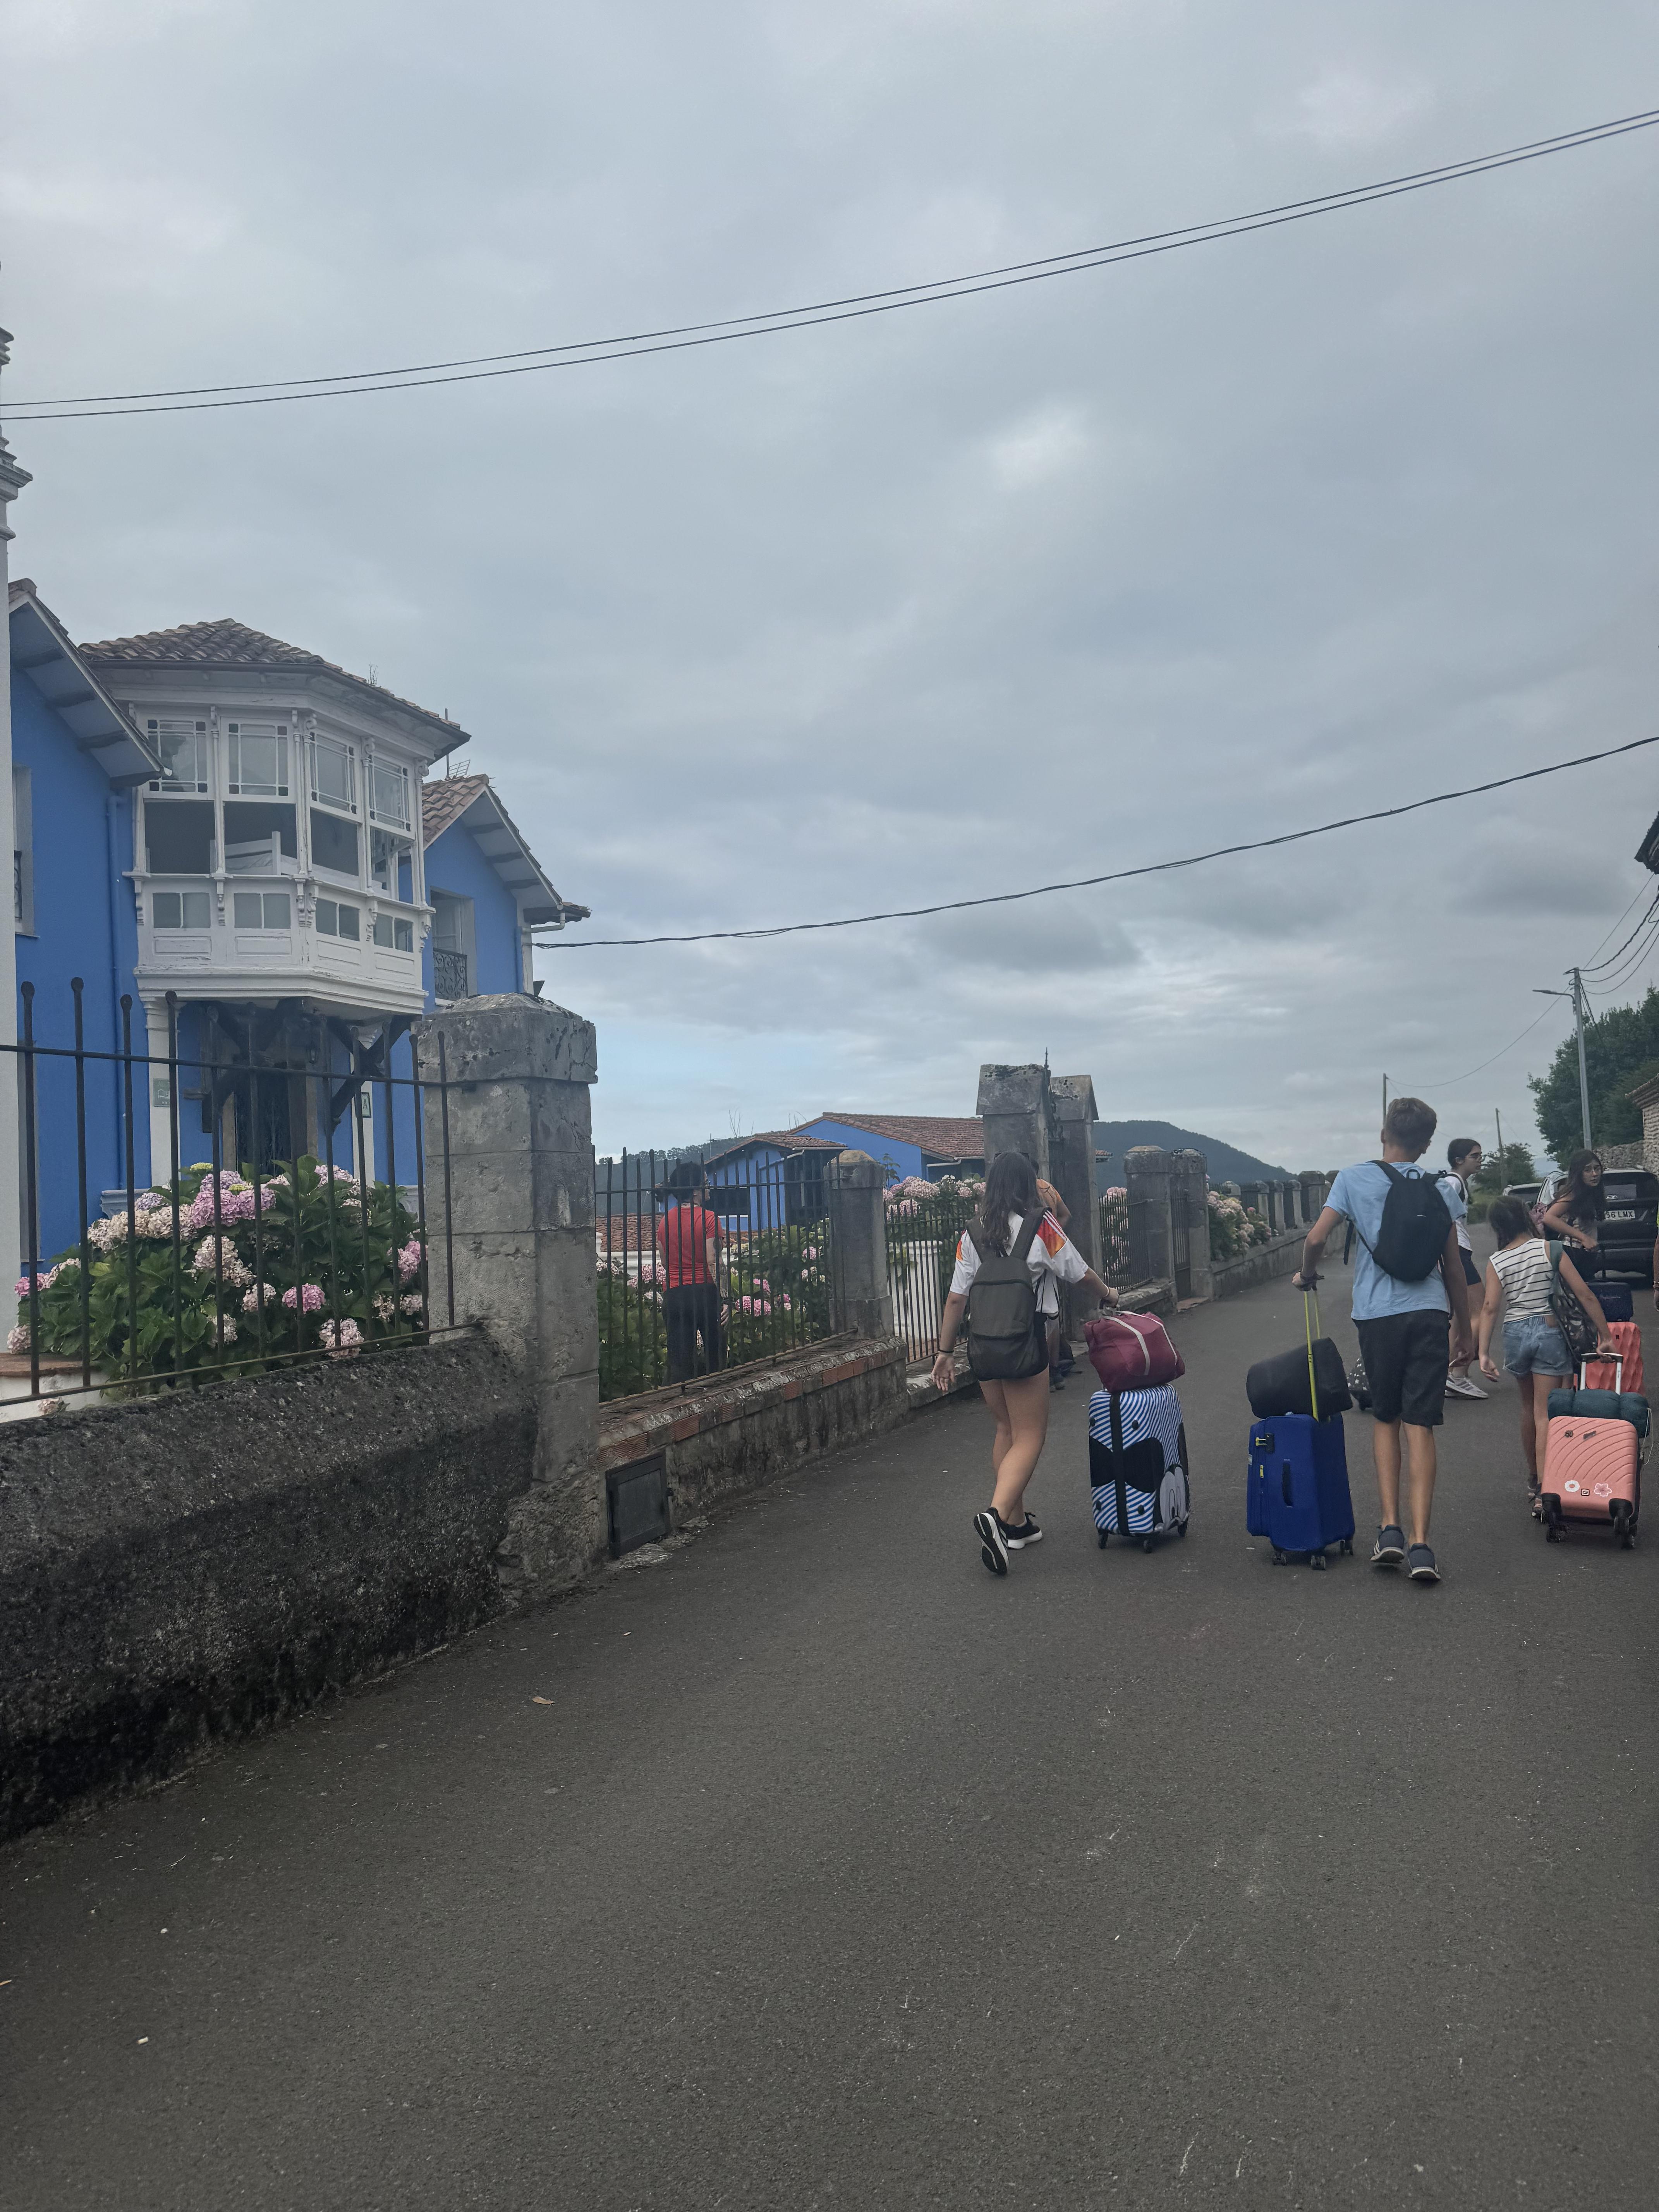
{"x": 631, "y": 1431}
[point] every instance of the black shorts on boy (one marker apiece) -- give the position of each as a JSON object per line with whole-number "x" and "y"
{"x": 1405, "y": 1357}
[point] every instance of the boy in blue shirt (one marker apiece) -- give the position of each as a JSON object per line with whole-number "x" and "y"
{"x": 1402, "y": 1334}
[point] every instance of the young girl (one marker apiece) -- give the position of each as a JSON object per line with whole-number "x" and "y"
{"x": 1019, "y": 1409}
{"x": 1574, "y": 1215}
{"x": 1518, "y": 1278}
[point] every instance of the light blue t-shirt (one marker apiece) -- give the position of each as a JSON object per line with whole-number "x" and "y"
{"x": 1359, "y": 1193}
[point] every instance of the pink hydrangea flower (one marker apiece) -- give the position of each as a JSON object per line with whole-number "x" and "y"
{"x": 409, "y": 1258}
{"x": 342, "y": 1339}
{"x": 308, "y": 1295}
{"x": 18, "y": 1341}
{"x": 414, "y": 1303}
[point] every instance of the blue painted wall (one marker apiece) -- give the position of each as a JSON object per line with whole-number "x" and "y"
{"x": 454, "y": 864}
{"x": 906, "y": 1158}
{"x": 78, "y": 931}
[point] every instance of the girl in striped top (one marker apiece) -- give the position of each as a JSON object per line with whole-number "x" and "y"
{"x": 1519, "y": 1282}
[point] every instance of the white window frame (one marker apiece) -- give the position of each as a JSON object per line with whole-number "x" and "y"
{"x": 206, "y": 904}
{"x": 198, "y": 728}
{"x": 375, "y": 766}
{"x": 22, "y": 850}
{"x": 234, "y": 786}
{"x": 349, "y": 806}
{"x": 264, "y": 900}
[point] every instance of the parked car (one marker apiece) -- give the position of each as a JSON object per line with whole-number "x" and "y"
{"x": 1526, "y": 1192}
{"x": 1630, "y": 1219}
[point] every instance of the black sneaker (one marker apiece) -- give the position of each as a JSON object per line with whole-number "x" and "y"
{"x": 1017, "y": 1539}
{"x": 992, "y": 1545}
{"x": 1419, "y": 1562}
{"x": 1389, "y": 1548}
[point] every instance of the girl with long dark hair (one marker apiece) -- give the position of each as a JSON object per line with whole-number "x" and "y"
{"x": 1519, "y": 1283}
{"x": 1018, "y": 1408}
{"x": 1574, "y": 1214}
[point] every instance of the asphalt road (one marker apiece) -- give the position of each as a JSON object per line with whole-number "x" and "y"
{"x": 813, "y": 1867}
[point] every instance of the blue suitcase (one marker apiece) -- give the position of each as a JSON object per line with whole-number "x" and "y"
{"x": 1615, "y": 1300}
{"x": 1298, "y": 1486}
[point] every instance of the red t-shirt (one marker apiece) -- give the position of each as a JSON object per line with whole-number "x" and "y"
{"x": 684, "y": 1236}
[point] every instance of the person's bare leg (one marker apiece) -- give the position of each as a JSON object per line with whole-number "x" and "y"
{"x": 1385, "y": 1450}
{"x": 1420, "y": 1463}
{"x": 1028, "y": 1417}
{"x": 1526, "y": 1386}
{"x": 1002, "y": 1434}
{"x": 1541, "y": 1387}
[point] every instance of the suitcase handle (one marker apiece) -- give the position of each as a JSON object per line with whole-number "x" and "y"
{"x": 1310, "y": 1324}
{"x": 1618, "y": 1370}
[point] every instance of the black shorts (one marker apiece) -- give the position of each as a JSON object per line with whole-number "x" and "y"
{"x": 1470, "y": 1273}
{"x": 1405, "y": 1357}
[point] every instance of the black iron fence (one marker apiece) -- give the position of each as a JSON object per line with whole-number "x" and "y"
{"x": 696, "y": 1278}
{"x": 213, "y": 1265}
{"x": 1114, "y": 1267}
{"x": 924, "y": 1222}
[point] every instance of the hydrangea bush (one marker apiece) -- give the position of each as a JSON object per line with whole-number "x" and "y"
{"x": 283, "y": 1270}
{"x": 778, "y": 1283}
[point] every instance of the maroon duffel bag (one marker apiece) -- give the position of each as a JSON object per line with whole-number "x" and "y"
{"x": 1132, "y": 1350}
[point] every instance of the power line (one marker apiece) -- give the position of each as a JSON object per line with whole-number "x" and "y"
{"x": 576, "y": 352}
{"x": 1609, "y": 984}
{"x": 1641, "y": 893}
{"x": 1117, "y": 875}
{"x": 1452, "y": 1082}
{"x": 1613, "y": 957}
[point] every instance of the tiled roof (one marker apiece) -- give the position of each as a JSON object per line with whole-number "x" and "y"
{"x": 951, "y": 1136}
{"x": 228, "y": 644}
{"x": 786, "y": 1140}
{"x": 445, "y": 799}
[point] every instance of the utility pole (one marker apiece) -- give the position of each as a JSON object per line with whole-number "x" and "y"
{"x": 1498, "y": 1117}
{"x": 1583, "y": 1076}
{"x": 1385, "y": 1097}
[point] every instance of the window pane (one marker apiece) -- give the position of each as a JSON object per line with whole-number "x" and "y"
{"x": 347, "y": 921}
{"x": 276, "y": 909}
{"x": 183, "y": 746}
{"x": 196, "y": 910}
{"x": 404, "y": 934}
{"x": 327, "y": 918}
{"x": 164, "y": 910}
{"x": 246, "y": 911}
{"x": 333, "y": 774}
{"x": 258, "y": 759}
{"x": 389, "y": 795}
{"x": 383, "y": 929}
{"x": 333, "y": 843}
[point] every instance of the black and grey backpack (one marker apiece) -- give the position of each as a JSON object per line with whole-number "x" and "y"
{"x": 1006, "y": 1339}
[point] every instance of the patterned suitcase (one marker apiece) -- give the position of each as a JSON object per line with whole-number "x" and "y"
{"x": 1592, "y": 1452}
{"x": 1138, "y": 1465}
{"x": 1599, "y": 1374}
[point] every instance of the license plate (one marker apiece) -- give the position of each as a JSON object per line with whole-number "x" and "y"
{"x": 1620, "y": 1213}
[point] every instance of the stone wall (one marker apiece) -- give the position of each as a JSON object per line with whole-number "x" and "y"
{"x": 180, "y": 1570}
{"x": 733, "y": 1433}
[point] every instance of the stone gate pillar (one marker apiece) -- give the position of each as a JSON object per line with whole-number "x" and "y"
{"x": 517, "y": 1187}
{"x": 1313, "y": 1194}
{"x": 860, "y": 1284}
{"x": 1189, "y": 1195}
{"x": 1013, "y": 1106}
{"x": 1147, "y": 1174}
{"x": 1072, "y": 1164}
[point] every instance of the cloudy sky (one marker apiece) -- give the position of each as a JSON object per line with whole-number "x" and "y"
{"x": 1090, "y": 572}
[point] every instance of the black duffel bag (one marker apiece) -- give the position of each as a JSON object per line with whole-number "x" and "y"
{"x": 1284, "y": 1385}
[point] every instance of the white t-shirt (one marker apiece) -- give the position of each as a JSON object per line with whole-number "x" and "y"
{"x": 1053, "y": 1260}
{"x": 1523, "y": 1269}
{"x": 1455, "y": 1191}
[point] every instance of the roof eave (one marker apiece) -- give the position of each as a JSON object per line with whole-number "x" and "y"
{"x": 42, "y": 650}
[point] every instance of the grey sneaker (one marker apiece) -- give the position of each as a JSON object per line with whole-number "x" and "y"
{"x": 992, "y": 1548}
{"x": 1459, "y": 1386}
{"x": 1419, "y": 1562}
{"x": 1389, "y": 1548}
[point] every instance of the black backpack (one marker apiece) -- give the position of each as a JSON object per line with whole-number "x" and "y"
{"x": 1411, "y": 1237}
{"x": 1006, "y": 1340}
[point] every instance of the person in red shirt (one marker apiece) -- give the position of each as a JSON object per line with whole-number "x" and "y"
{"x": 690, "y": 1237}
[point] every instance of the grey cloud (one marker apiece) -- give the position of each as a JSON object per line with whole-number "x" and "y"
{"x": 1007, "y": 590}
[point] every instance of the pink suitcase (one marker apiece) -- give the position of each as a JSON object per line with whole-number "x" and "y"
{"x": 1592, "y": 1471}
{"x": 1602, "y": 1374}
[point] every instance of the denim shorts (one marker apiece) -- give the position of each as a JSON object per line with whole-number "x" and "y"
{"x": 1535, "y": 1345}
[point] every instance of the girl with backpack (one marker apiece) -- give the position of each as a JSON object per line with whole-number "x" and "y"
{"x": 1522, "y": 1277}
{"x": 1009, "y": 1265}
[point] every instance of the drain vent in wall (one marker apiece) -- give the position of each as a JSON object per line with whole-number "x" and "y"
{"x": 637, "y": 1497}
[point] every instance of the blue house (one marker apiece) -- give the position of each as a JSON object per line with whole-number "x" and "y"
{"x": 774, "y": 1180}
{"x": 244, "y": 841}
{"x": 931, "y": 1146}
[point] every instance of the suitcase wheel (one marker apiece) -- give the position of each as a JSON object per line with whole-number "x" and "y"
{"x": 1181, "y": 1528}
{"x": 1102, "y": 1540}
{"x": 1147, "y": 1544}
{"x": 1347, "y": 1546}
{"x": 1280, "y": 1559}
{"x": 1622, "y": 1528}
{"x": 1316, "y": 1559}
